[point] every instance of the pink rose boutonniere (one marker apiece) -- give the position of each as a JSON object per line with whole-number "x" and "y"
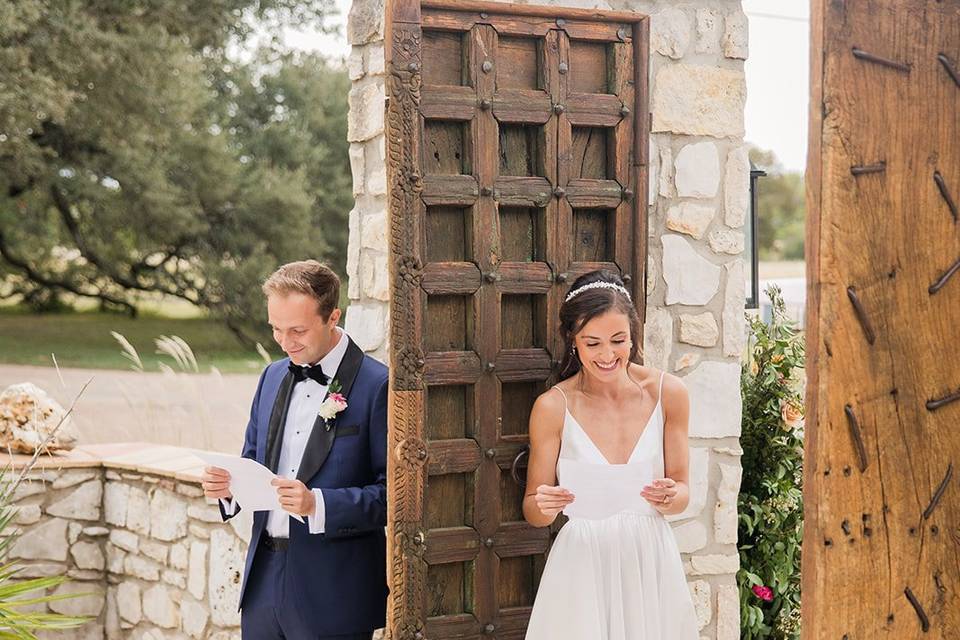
{"x": 333, "y": 404}
{"x": 764, "y": 593}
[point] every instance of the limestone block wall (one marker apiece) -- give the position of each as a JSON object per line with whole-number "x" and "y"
{"x": 130, "y": 526}
{"x": 698, "y": 204}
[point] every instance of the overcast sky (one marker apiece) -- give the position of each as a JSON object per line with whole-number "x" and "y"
{"x": 777, "y": 87}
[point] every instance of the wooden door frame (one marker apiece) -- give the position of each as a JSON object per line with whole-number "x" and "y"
{"x": 407, "y": 447}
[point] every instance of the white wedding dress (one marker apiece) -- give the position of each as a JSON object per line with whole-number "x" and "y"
{"x": 617, "y": 578}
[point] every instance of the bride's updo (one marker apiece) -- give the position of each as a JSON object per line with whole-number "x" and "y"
{"x": 592, "y": 295}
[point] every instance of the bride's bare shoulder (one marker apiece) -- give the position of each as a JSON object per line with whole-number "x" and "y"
{"x": 548, "y": 409}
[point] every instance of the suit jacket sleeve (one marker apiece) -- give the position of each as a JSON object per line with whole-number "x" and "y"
{"x": 228, "y": 510}
{"x": 353, "y": 510}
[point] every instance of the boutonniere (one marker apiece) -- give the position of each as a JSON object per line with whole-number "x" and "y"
{"x": 333, "y": 404}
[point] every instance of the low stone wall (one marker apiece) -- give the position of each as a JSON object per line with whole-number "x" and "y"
{"x": 130, "y": 526}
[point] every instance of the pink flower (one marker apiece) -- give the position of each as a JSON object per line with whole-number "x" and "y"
{"x": 334, "y": 404}
{"x": 764, "y": 593}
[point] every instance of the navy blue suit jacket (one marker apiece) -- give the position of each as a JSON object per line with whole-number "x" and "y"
{"x": 338, "y": 576}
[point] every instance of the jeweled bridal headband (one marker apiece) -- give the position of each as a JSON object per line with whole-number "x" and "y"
{"x": 598, "y": 285}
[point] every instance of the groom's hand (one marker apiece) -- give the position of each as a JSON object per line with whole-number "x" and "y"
{"x": 216, "y": 483}
{"x": 295, "y": 497}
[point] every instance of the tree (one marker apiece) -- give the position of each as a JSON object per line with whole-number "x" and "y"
{"x": 782, "y": 207}
{"x": 137, "y": 157}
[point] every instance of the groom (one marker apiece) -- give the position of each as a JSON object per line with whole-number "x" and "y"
{"x": 323, "y": 578}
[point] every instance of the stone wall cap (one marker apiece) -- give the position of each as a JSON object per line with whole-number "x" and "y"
{"x": 179, "y": 463}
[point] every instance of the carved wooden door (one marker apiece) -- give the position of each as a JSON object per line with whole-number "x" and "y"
{"x": 881, "y": 496}
{"x": 517, "y": 161}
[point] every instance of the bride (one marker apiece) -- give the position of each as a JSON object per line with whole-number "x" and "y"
{"x": 618, "y": 577}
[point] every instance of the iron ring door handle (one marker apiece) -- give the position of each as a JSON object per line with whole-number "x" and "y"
{"x": 513, "y": 467}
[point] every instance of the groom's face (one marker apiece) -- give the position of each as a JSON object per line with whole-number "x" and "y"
{"x": 299, "y": 329}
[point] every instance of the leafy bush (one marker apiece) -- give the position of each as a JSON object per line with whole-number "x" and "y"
{"x": 771, "y": 499}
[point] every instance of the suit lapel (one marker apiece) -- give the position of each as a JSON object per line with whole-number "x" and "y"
{"x": 278, "y": 418}
{"x": 322, "y": 436}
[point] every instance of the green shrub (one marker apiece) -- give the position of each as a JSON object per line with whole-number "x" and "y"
{"x": 771, "y": 499}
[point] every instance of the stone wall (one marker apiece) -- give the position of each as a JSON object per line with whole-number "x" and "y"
{"x": 699, "y": 199}
{"x": 130, "y": 526}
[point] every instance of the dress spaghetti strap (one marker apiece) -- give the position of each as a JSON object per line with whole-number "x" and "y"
{"x": 564, "y": 396}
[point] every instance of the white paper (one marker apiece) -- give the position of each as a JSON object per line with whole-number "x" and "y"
{"x": 249, "y": 481}
{"x": 603, "y": 490}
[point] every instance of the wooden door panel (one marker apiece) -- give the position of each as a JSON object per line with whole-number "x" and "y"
{"x": 506, "y": 130}
{"x": 880, "y": 511}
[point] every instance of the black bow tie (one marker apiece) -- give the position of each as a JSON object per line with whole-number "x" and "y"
{"x": 314, "y": 372}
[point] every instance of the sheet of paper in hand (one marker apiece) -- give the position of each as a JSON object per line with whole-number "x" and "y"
{"x": 249, "y": 481}
{"x": 603, "y": 490}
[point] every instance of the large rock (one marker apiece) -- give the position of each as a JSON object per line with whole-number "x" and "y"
{"x": 225, "y": 577}
{"x": 193, "y": 618}
{"x": 83, "y": 503}
{"x": 715, "y": 404}
{"x": 81, "y": 605}
{"x": 367, "y": 105}
{"x": 727, "y": 241}
{"x": 734, "y": 323}
{"x": 128, "y": 601}
{"x": 691, "y": 536}
{"x": 196, "y": 580}
{"x": 367, "y": 324}
{"x": 138, "y": 511}
{"x": 728, "y": 612}
{"x": 700, "y": 329}
{"x": 88, "y": 555}
{"x": 47, "y": 541}
{"x": 691, "y": 279}
{"x": 717, "y": 564}
{"x": 670, "y": 33}
{"x": 709, "y": 23}
{"x": 168, "y": 515}
{"x": 735, "y": 36}
{"x": 375, "y": 275}
{"x": 699, "y": 101}
{"x": 160, "y": 608}
{"x": 353, "y": 254}
{"x": 28, "y": 416}
{"x": 116, "y": 495}
{"x": 702, "y": 606}
{"x": 698, "y": 170}
{"x": 365, "y": 21}
{"x": 657, "y": 337}
{"x": 690, "y": 218}
{"x": 725, "y": 514}
{"x": 736, "y": 187}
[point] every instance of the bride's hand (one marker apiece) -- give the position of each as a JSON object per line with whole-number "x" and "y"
{"x": 660, "y": 493}
{"x": 552, "y": 500}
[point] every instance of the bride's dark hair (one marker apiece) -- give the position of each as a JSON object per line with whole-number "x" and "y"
{"x": 589, "y": 304}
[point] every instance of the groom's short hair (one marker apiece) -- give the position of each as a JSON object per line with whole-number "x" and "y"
{"x": 308, "y": 277}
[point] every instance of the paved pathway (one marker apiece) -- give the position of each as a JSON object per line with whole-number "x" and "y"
{"x": 206, "y": 411}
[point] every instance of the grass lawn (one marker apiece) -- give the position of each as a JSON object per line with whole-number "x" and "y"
{"x": 84, "y": 340}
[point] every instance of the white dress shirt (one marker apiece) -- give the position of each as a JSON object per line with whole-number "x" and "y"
{"x": 305, "y": 401}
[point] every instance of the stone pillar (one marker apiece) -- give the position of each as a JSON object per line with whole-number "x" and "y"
{"x": 367, "y": 271}
{"x": 698, "y": 201}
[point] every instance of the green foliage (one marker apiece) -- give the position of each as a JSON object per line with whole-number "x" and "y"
{"x": 137, "y": 156}
{"x": 84, "y": 340}
{"x": 771, "y": 499}
{"x": 781, "y": 202}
